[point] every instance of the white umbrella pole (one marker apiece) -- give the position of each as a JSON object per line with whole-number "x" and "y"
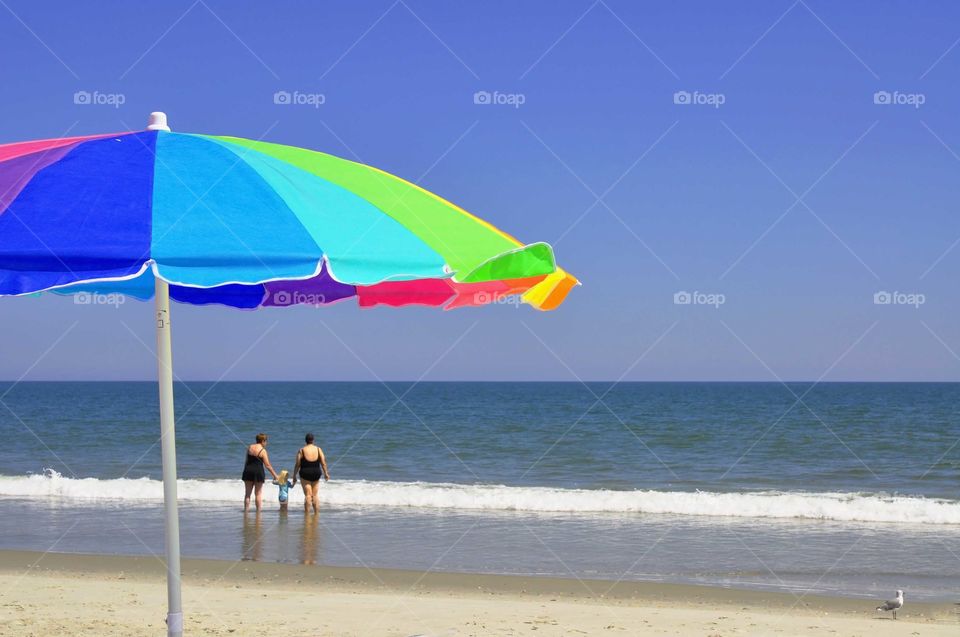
{"x": 168, "y": 453}
{"x": 168, "y": 439}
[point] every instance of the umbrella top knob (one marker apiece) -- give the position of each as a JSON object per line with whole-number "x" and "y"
{"x": 158, "y": 121}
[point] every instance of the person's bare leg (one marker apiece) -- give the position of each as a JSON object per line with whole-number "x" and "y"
{"x": 258, "y": 491}
{"x": 316, "y": 497}
{"x": 307, "y": 495}
{"x": 248, "y": 489}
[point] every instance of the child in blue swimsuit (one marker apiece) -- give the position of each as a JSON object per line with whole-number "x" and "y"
{"x": 284, "y": 489}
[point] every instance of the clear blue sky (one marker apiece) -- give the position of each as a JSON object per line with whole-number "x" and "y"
{"x": 694, "y": 197}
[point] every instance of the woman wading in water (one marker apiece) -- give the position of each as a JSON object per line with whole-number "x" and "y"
{"x": 253, "y": 471}
{"x": 310, "y": 467}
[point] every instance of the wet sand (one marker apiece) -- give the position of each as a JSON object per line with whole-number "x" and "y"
{"x": 66, "y": 594}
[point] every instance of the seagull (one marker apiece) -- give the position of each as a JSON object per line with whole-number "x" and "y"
{"x": 893, "y": 604}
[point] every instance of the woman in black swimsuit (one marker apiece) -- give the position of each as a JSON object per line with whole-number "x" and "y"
{"x": 310, "y": 467}
{"x": 253, "y": 474}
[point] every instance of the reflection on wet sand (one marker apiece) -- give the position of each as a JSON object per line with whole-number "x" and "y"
{"x": 311, "y": 539}
{"x": 283, "y": 536}
{"x": 252, "y": 546}
{"x": 278, "y": 542}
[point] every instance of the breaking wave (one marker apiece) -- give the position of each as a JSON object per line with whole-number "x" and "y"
{"x": 847, "y": 507}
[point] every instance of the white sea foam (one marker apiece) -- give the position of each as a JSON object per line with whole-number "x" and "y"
{"x": 852, "y": 507}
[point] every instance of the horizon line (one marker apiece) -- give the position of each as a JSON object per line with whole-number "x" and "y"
{"x": 454, "y": 380}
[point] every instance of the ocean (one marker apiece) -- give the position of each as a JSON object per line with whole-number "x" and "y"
{"x": 836, "y": 488}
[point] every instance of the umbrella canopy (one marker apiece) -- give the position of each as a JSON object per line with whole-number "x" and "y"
{"x": 247, "y": 224}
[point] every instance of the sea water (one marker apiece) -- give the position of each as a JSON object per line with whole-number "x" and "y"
{"x": 843, "y": 488}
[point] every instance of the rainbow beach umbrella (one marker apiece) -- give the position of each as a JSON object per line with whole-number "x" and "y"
{"x": 203, "y": 219}
{"x": 247, "y": 224}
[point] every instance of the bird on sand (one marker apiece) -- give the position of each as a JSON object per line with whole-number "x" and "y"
{"x": 893, "y": 604}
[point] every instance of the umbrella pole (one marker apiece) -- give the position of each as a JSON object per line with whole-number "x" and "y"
{"x": 168, "y": 452}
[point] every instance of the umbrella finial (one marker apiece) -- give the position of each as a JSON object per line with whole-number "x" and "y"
{"x": 158, "y": 121}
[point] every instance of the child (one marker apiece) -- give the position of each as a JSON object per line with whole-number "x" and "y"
{"x": 284, "y": 485}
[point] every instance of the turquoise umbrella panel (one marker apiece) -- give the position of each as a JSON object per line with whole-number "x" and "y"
{"x": 203, "y": 198}
{"x": 361, "y": 243}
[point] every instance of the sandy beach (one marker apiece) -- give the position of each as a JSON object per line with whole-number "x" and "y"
{"x": 60, "y": 594}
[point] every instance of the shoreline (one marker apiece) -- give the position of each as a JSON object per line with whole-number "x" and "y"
{"x": 386, "y": 579}
{"x": 121, "y": 595}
